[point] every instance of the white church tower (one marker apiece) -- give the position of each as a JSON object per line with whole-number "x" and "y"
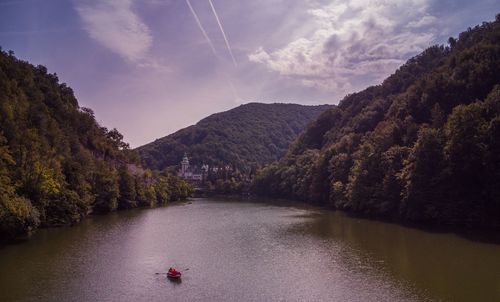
{"x": 184, "y": 165}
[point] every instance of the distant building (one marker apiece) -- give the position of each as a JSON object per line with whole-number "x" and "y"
{"x": 191, "y": 173}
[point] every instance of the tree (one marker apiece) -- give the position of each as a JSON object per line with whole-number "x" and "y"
{"x": 17, "y": 215}
{"x": 128, "y": 193}
{"x": 423, "y": 177}
{"x": 106, "y": 189}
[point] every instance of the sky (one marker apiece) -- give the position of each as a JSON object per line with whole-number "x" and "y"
{"x": 151, "y": 67}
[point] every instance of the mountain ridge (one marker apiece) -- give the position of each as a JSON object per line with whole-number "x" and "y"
{"x": 251, "y": 134}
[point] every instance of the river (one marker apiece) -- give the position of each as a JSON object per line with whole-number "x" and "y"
{"x": 233, "y": 250}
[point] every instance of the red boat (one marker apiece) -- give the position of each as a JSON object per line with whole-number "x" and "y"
{"x": 173, "y": 274}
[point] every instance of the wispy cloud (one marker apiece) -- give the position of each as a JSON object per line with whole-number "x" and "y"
{"x": 114, "y": 24}
{"x": 200, "y": 26}
{"x": 223, "y": 33}
{"x": 354, "y": 43}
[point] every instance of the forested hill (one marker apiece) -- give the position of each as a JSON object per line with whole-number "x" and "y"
{"x": 424, "y": 146}
{"x": 56, "y": 163}
{"x": 249, "y": 135}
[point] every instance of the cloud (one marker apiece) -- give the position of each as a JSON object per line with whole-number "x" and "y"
{"x": 354, "y": 43}
{"x": 425, "y": 21}
{"x": 113, "y": 24}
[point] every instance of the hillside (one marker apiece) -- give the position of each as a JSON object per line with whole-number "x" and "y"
{"x": 249, "y": 135}
{"x": 424, "y": 146}
{"x": 57, "y": 164}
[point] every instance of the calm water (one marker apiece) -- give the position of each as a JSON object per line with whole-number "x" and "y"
{"x": 241, "y": 251}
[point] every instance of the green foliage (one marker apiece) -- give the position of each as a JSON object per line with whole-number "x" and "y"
{"x": 247, "y": 136}
{"x": 178, "y": 188}
{"x": 171, "y": 188}
{"x": 162, "y": 190}
{"x": 423, "y": 146}
{"x": 422, "y": 175}
{"x": 128, "y": 191}
{"x": 17, "y": 215}
{"x": 106, "y": 189}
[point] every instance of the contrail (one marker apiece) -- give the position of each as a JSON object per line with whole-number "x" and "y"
{"x": 235, "y": 94}
{"x": 223, "y": 33}
{"x": 201, "y": 27}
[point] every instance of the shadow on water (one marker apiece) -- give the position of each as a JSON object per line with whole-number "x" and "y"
{"x": 476, "y": 235}
{"x": 174, "y": 281}
{"x": 473, "y": 234}
{"x": 446, "y": 265}
{"x": 482, "y": 235}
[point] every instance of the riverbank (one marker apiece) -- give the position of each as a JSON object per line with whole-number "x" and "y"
{"x": 27, "y": 236}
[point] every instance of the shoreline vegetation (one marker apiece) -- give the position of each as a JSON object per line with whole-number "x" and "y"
{"x": 57, "y": 164}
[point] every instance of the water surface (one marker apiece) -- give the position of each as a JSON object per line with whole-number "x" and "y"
{"x": 246, "y": 251}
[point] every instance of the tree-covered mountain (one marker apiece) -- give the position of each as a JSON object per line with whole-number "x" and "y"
{"x": 57, "y": 164}
{"x": 249, "y": 135}
{"x": 424, "y": 146}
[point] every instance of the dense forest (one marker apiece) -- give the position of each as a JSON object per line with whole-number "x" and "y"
{"x": 57, "y": 165}
{"x": 422, "y": 147}
{"x": 244, "y": 137}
